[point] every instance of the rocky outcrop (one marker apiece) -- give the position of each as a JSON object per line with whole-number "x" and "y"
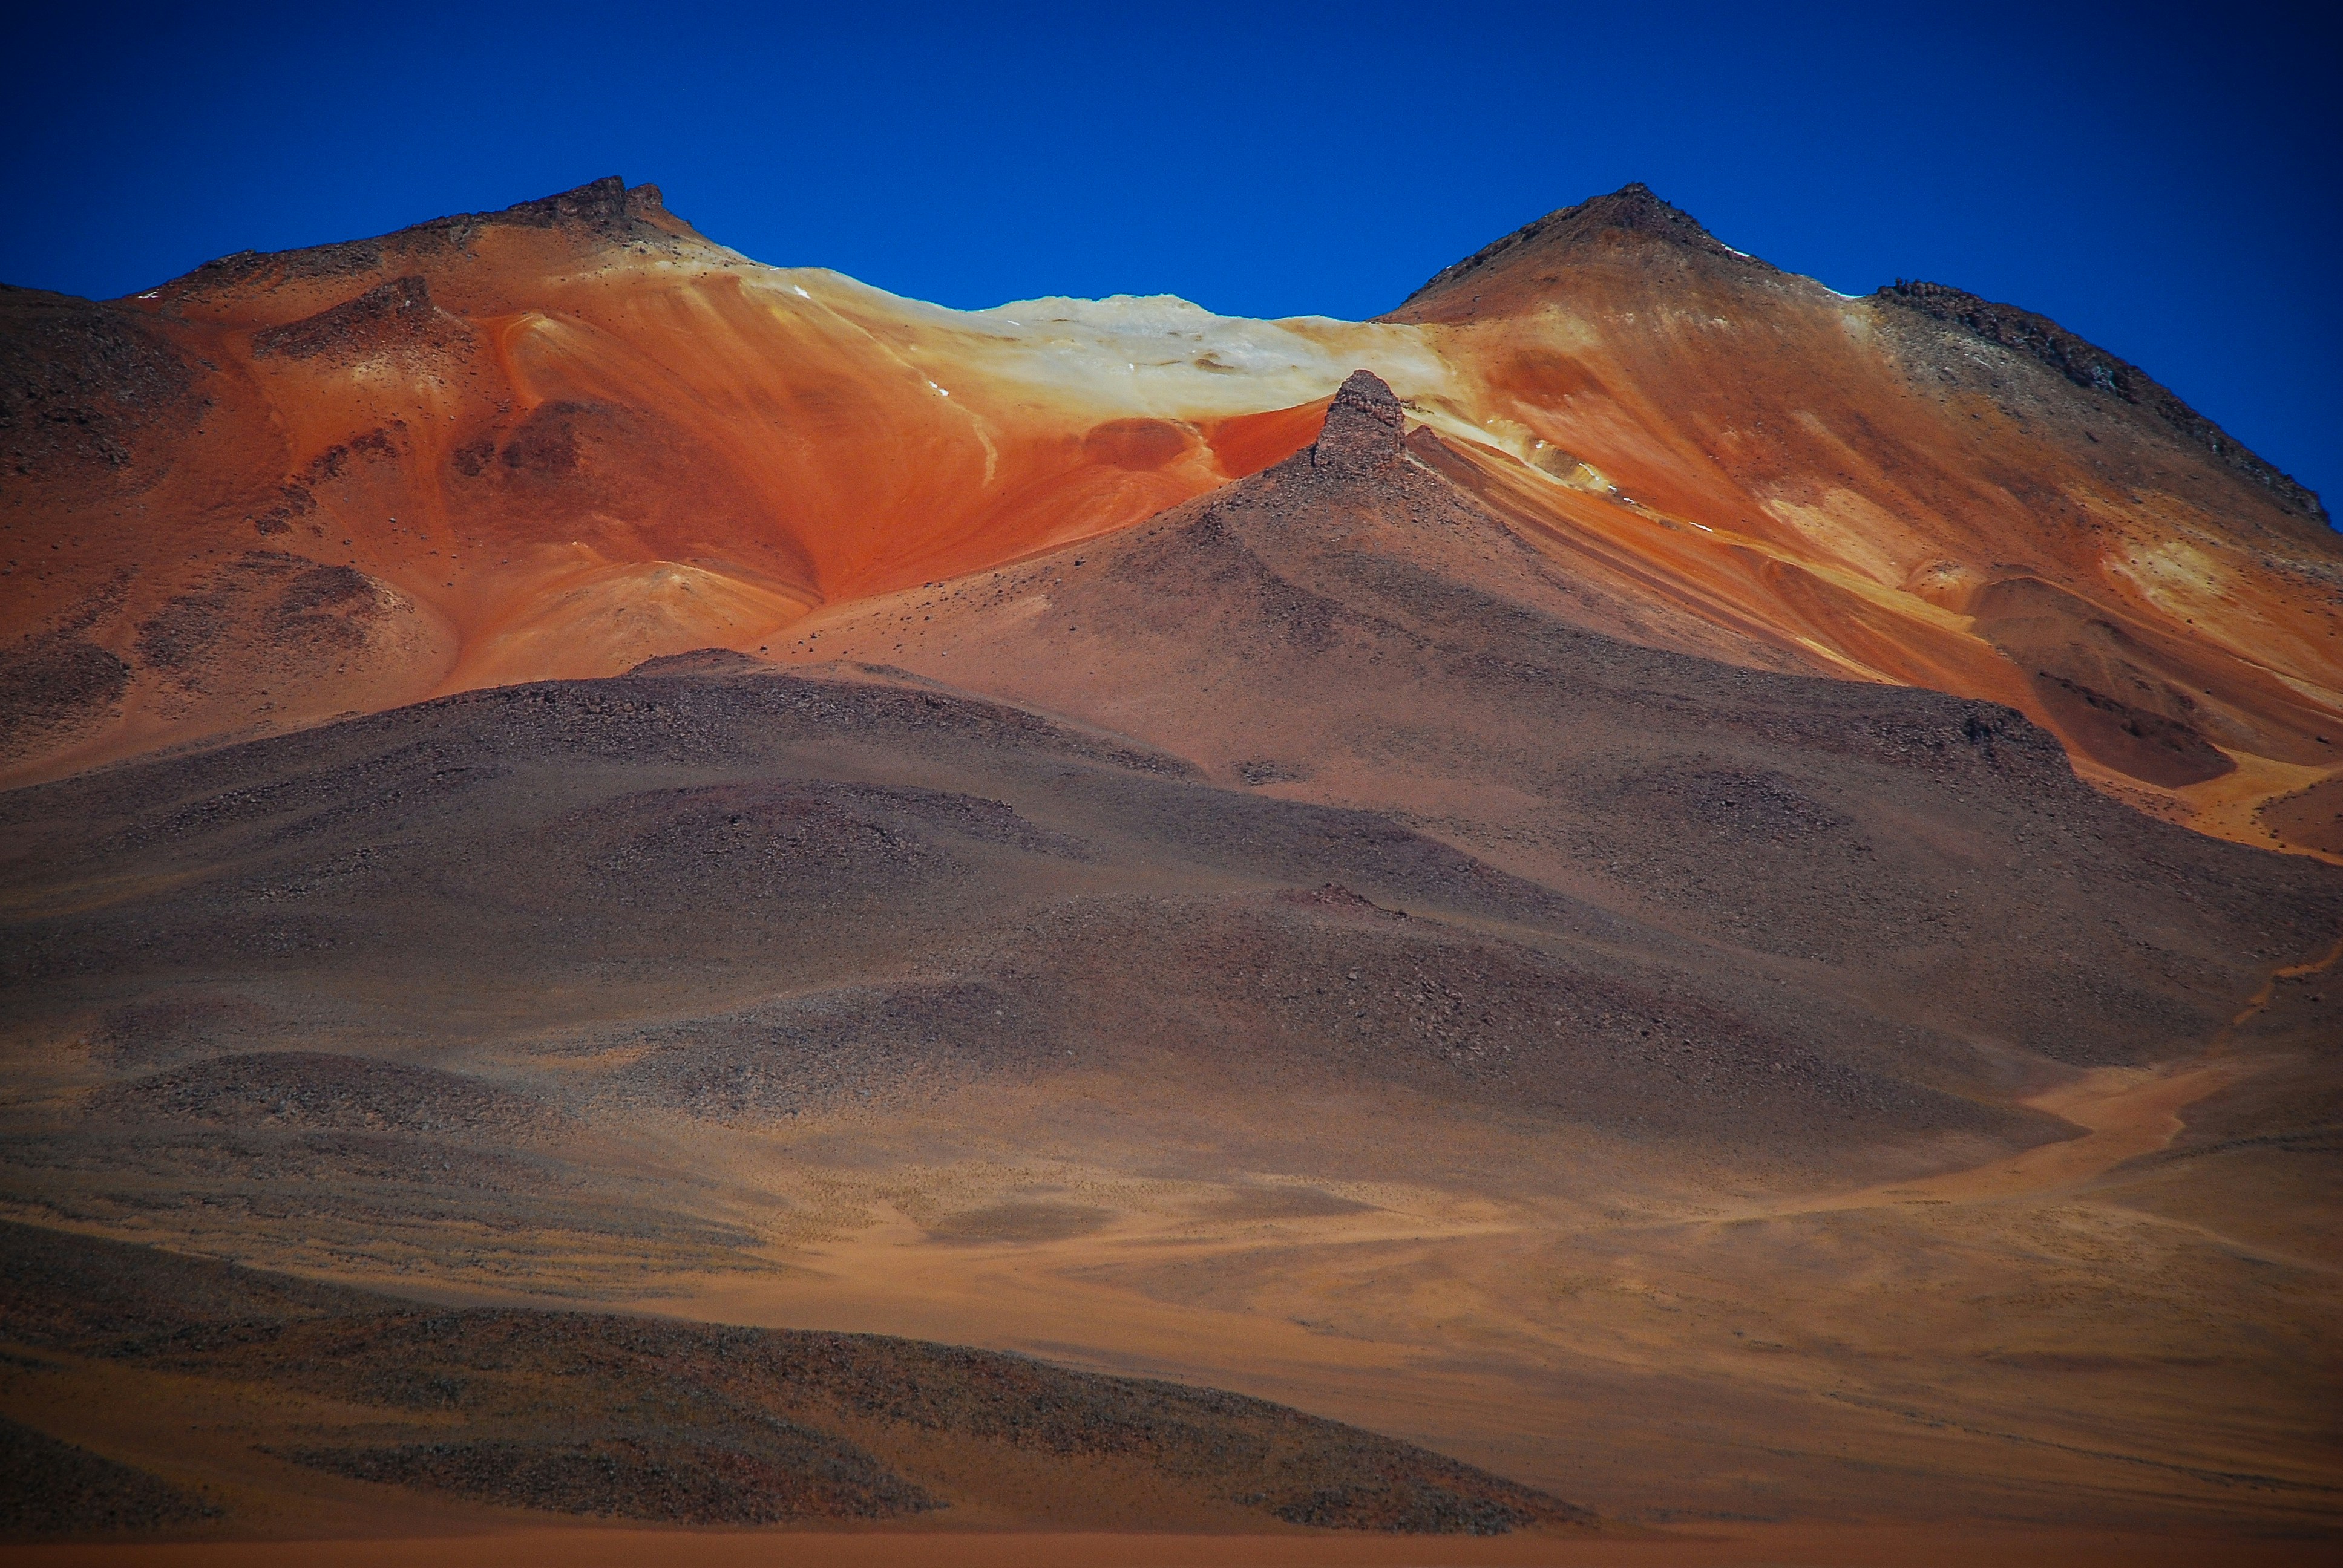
{"x": 397, "y": 314}
{"x": 1363, "y": 429}
{"x": 80, "y": 384}
{"x": 53, "y": 685}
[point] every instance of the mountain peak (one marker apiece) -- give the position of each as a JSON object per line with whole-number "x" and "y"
{"x": 604, "y": 204}
{"x": 599, "y": 212}
{"x": 1364, "y": 428}
{"x": 1637, "y": 210}
{"x": 1519, "y": 268}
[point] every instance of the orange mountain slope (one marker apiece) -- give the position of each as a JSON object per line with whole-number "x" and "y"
{"x": 562, "y": 439}
{"x": 1917, "y": 486}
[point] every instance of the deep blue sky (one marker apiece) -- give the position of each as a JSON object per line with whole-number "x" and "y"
{"x": 2162, "y": 180}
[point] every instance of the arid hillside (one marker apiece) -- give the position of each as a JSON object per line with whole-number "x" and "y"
{"x": 639, "y": 1419}
{"x": 559, "y": 439}
{"x": 1589, "y": 1059}
{"x": 1681, "y": 892}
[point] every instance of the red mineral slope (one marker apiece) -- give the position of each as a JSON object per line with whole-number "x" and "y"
{"x": 1917, "y": 486}
{"x": 550, "y": 441}
{"x": 565, "y": 437}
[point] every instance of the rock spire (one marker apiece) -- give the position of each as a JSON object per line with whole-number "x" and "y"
{"x": 1364, "y": 428}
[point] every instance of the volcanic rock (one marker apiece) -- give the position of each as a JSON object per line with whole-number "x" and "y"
{"x": 1363, "y": 431}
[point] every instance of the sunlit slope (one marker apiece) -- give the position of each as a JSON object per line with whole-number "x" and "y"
{"x": 1916, "y": 487}
{"x": 562, "y": 439}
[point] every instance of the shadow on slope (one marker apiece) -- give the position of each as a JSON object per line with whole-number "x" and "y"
{"x": 683, "y": 1423}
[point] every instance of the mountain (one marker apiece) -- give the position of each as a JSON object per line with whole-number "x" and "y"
{"x": 1577, "y": 957}
{"x": 555, "y": 440}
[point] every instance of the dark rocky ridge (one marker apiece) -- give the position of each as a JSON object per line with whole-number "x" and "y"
{"x": 604, "y": 211}
{"x": 314, "y": 1088}
{"x": 390, "y": 313}
{"x": 690, "y": 1424}
{"x": 2094, "y": 369}
{"x": 1632, "y": 209}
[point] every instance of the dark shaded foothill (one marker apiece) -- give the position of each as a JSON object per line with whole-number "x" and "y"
{"x": 679, "y": 1422}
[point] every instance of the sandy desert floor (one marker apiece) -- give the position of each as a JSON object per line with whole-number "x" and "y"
{"x": 1788, "y": 1352}
{"x": 1730, "y": 1546}
{"x": 2101, "y": 1332}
